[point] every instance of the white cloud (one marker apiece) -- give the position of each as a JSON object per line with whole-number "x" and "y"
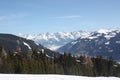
{"x": 3, "y": 17}
{"x": 67, "y": 17}
{"x": 11, "y": 16}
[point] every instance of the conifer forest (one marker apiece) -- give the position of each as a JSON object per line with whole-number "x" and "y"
{"x": 66, "y": 64}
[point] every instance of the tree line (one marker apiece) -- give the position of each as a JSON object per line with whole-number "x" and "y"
{"x": 67, "y": 64}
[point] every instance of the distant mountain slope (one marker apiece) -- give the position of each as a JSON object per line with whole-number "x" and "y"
{"x": 102, "y": 42}
{"x": 11, "y": 42}
{"x": 54, "y": 40}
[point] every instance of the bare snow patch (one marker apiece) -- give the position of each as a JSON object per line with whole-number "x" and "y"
{"x": 53, "y": 47}
{"x": 92, "y": 37}
{"x": 27, "y": 45}
{"x": 104, "y": 31}
{"x": 74, "y": 42}
{"x": 36, "y": 43}
{"x": 118, "y": 42}
{"x": 107, "y": 43}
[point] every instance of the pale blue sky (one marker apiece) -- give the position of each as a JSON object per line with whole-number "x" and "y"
{"x": 37, "y": 16}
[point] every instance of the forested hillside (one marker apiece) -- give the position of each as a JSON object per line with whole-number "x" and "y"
{"x": 40, "y": 63}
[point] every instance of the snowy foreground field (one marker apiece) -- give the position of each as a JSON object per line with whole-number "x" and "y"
{"x": 51, "y": 77}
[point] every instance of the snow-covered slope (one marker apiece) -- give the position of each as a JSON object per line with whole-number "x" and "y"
{"x": 51, "y": 77}
{"x": 55, "y": 40}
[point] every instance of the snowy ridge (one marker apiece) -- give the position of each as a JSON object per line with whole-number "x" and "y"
{"x": 51, "y": 77}
{"x": 54, "y": 41}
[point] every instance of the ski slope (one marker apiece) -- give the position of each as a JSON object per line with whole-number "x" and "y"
{"x": 51, "y": 77}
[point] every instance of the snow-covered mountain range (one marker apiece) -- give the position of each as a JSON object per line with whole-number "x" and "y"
{"x": 54, "y": 41}
{"x": 102, "y": 42}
